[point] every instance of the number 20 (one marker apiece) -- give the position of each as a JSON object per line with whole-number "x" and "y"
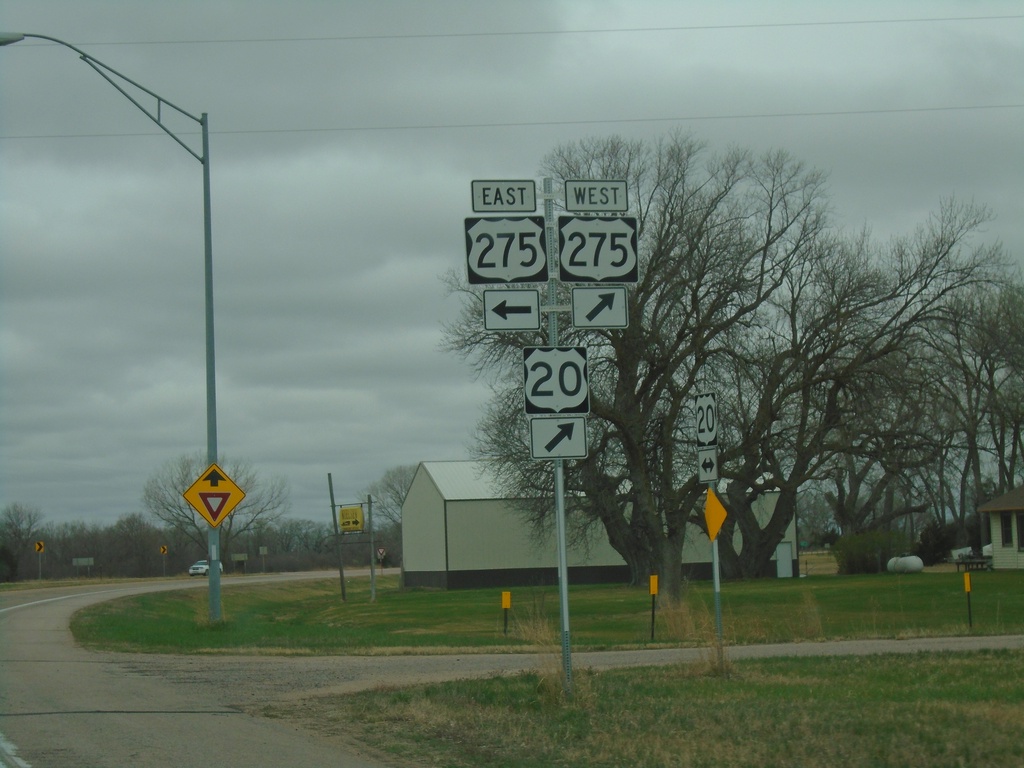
{"x": 566, "y": 370}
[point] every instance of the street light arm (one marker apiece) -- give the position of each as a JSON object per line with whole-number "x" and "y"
{"x": 105, "y": 71}
{"x": 213, "y": 537}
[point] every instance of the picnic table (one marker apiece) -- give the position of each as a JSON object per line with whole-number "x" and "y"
{"x": 974, "y": 564}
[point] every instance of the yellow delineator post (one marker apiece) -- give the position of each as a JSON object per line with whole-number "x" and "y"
{"x": 967, "y": 589}
{"x": 654, "y": 600}
{"x": 506, "y": 605}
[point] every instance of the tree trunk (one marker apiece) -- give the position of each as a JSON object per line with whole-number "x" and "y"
{"x": 757, "y": 545}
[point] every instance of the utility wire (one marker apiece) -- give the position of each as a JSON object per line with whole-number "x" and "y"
{"x": 543, "y": 32}
{"x": 542, "y": 123}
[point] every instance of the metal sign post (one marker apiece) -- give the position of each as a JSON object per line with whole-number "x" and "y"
{"x": 214, "y": 496}
{"x": 532, "y": 249}
{"x": 706, "y": 408}
{"x": 337, "y": 536}
{"x": 373, "y": 573}
{"x": 563, "y": 567}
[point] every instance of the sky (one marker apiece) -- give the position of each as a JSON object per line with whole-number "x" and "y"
{"x": 344, "y": 138}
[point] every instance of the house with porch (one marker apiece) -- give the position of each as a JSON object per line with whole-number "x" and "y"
{"x": 1006, "y": 529}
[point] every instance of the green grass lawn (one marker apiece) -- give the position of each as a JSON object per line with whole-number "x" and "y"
{"x": 310, "y": 617}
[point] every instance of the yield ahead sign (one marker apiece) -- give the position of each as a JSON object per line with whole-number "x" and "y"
{"x": 214, "y": 495}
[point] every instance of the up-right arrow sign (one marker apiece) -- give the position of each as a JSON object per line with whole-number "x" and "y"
{"x": 564, "y": 438}
{"x": 599, "y": 307}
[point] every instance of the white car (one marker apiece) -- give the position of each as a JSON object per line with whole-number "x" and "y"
{"x": 202, "y": 568}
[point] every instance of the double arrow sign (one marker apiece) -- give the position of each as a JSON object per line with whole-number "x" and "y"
{"x": 519, "y": 309}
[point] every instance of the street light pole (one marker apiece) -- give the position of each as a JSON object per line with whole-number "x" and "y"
{"x": 116, "y": 79}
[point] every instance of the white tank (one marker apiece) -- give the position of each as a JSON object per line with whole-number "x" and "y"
{"x": 906, "y": 564}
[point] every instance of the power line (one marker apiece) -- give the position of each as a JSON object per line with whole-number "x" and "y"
{"x": 546, "y": 32}
{"x": 543, "y": 123}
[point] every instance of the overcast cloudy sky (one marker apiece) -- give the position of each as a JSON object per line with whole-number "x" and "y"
{"x": 344, "y": 137}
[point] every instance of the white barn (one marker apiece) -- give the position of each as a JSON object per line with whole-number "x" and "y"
{"x": 458, "y": 532}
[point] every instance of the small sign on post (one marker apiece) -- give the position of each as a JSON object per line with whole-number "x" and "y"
{"x": 596, "y": 196}
{"x": 507, "y": 196}
{"x": 506, "y": 605}
{"x": 351, "y": 518}
{"x": 555, "y": 380}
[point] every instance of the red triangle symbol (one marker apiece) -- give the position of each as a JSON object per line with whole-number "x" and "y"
{"x": 214, "y": 503}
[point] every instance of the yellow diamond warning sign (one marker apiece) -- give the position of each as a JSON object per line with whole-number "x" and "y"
{"x": 714, "y": 514}
{"x": 214, "y": 495}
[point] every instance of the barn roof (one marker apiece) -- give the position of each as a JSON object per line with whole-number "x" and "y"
{"x": 462, "y": 480}
{"x": 1008, "y": 502}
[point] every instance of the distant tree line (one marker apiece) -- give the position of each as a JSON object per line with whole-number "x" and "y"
{"x": 131, "y": 547}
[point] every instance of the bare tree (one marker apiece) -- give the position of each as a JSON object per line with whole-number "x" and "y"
{"x": 827, "y": 383}
{"x": 18, "y": 526}
{"x": 810, "y": 337}
{"x": 266, "y": 500}
{"x": 389, "y": 494}
{"x": 978, "y": 403}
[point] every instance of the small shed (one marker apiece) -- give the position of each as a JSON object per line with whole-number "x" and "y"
{"x": 459, "y": 532}
{"x": 1006, "y": 528}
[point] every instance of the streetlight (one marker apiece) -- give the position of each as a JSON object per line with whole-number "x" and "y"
{"x": 109, "y": 74}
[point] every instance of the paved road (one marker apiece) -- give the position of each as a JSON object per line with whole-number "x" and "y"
{"x": 63, "y": 706}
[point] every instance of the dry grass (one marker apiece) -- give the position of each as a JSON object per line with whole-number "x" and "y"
{"x": 818, "y": 564}
{"x": 936, "y": 710}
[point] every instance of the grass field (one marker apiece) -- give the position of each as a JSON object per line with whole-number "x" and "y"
{"x": 934, "y": 710}
{"x": 310, "y": 618}
{"x": 927, "y": 709}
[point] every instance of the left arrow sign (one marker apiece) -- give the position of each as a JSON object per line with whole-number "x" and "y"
{"x": 512, "y": 310}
